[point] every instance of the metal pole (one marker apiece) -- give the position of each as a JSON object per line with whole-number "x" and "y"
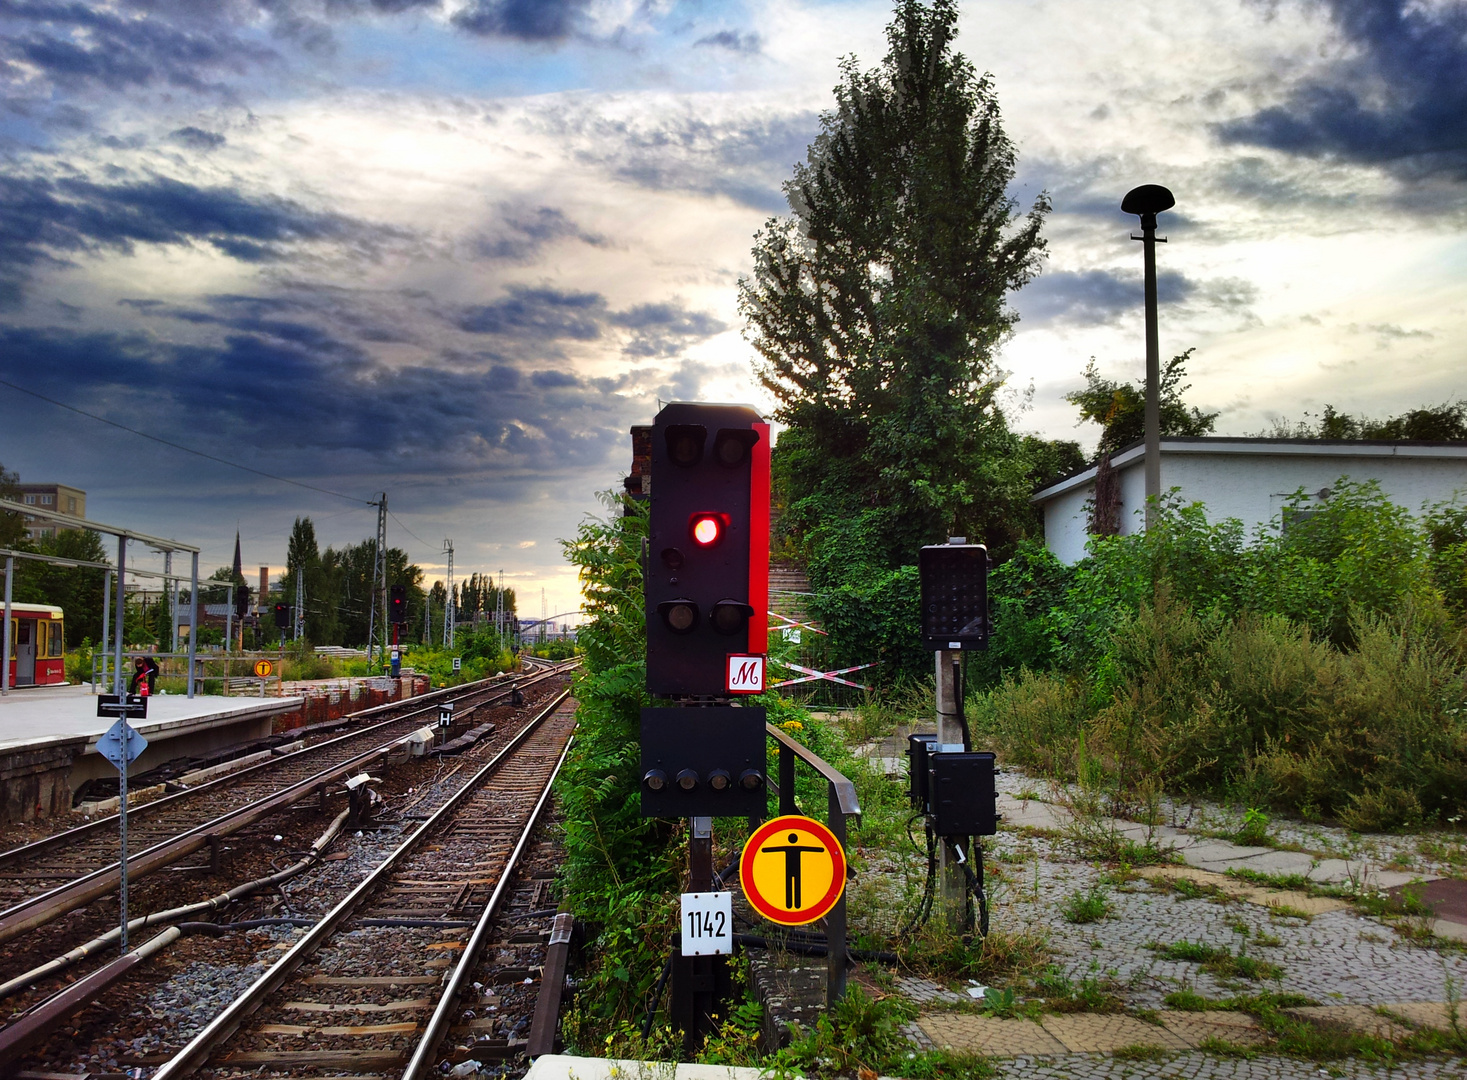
{"x": 117, "y": 686}
{"x": 5, "y": 662}
{"x": 952, "y": 888}
{"x": 835, "y": 922}
{"x": 122, "y": 829}
{"x": 228, "y": 632}
{"x": 193, "y": 624}
{"x": 1153, "y": 372}
{"x": 106, "y": 631}
{"x": 170, "y": 590}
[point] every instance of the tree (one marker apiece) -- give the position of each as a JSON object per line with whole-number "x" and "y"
{"x": 1442, "y": 423}
{"x": 303, "y": 558}
{"x": 1120, "y": 408}
{"x": 78, "y": 590}
{"x": 12, "y": 525}
{"x": 876, "y": 306}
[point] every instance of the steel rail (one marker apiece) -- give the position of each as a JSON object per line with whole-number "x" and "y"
{"x": 135, "y": 814}
{"x": 421, "y": 1062}
{"x": 223, "y": 1027}
{"x": 45, "y": 907}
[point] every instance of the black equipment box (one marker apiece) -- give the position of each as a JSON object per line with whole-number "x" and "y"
{"x": 964, "y": 794}
{"x": 704, "y": 762}
{"x": 954, "y": 596}
{"x": 919, "y": 746}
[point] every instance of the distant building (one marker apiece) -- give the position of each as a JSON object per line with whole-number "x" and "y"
{"x": 56, "y": 497}
{"x": 1251, "y": 480}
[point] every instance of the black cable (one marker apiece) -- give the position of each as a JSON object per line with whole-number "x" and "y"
{"x": 656, "y": 997}
{"x": 958, "y": 690}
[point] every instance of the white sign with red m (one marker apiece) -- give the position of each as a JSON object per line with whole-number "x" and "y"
{"x": 745, "y": 674}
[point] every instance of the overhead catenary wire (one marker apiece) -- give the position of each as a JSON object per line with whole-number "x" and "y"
{"x": 180, "y": 446}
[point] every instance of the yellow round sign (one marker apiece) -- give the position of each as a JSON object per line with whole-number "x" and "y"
{"x": 793, "y": 870}
{"x": 263, "y": 668}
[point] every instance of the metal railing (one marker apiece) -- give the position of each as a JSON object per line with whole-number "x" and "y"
{"x": 841, "y": 804}
{"x": 103, "y": 669}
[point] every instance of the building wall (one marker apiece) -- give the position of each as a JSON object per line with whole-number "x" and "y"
{"x": 1255, "y": 486}
{"x": 58, "y": 497}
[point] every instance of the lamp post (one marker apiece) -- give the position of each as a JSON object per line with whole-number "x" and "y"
{"x": 1148, "y": 200}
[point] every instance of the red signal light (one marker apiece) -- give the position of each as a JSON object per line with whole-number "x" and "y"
{"x": 706, "y": 529}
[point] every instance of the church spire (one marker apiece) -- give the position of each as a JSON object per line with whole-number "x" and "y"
{"x": 238, "y": 566}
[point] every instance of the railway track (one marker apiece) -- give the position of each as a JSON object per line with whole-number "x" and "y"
{"x": 41, "y": 881}
{"x": 378, "y": 982}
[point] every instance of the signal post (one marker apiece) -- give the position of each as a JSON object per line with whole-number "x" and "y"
{"x": 706, "y": 580}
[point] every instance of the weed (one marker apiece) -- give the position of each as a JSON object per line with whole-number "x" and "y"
{"x": 1140, "y": 1052}
{"x": 1267, "y": 941}
{"x": 1004, "y": 1003}
{"x": 943, "y": 1065}
{"x": 1001, "y": 956}
{"x": 860, "y": 1034}
{"x": 1188, "y": 1000}
{"x": 1086, "y": 906}
{"x": 1291, "y": 882}
{"x": 1285, "y": 911}
{"x": 1222, "y": 1048}
{"x": 1061, "y": 994}
{"x": 1188, "y": 889}
{"x": 1254, "y": 830}
{"x": 1219, "y": 960}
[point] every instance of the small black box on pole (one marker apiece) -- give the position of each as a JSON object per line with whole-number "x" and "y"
{"x": 703, "y": 762}
{"x": 963, "y": 793}
{"x": 954, "y": 596}
{"x": 920, "y": 746}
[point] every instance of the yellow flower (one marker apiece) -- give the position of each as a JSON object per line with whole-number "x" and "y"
{"x": 792, "y": 725}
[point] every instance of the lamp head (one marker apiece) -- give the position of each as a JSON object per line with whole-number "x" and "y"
{"x": 1147, "y": 199}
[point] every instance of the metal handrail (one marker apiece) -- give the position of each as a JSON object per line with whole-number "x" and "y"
{"x": 842, "y": 803}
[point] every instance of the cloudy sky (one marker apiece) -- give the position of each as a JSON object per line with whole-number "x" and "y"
{"x": 453, "y": 249}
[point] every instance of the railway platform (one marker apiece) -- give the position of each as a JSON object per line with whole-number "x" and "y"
{"x": 48, "y": 740}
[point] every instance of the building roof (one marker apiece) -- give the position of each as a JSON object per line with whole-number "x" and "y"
{"x": 51, "y": 611}
{"x": 1244, "y": 445}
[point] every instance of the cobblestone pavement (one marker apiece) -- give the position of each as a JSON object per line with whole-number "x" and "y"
{"x": 1323, "y": 949}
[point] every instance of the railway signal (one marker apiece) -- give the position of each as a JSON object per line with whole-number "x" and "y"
{"x": 397, "y": 605}
{"x": 282, "y": 616}
{"x": 707, "y": 582}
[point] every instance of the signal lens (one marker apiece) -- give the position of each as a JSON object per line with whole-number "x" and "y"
{"x": 655, "y": 780}
{"x": 706, "y": 530}
{"x": 681, "y": 616}
{"x": 687, "y": 779}
{"x": 719, "y": 780}
{"x": 730, "y": 616}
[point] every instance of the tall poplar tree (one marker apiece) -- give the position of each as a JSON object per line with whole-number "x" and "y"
{"x": 877, "y": 304}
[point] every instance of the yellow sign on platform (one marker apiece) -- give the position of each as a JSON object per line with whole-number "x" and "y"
{"x": 793, "y": 870}
{"x": 263, "y": 668}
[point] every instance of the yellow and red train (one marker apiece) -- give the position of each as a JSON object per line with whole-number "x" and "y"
{"x": 37, "y": 645}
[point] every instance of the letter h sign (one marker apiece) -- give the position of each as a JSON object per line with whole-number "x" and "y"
{"x": 745, "y": 674}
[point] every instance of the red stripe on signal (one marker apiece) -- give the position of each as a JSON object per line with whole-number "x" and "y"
{"x": 759, "y": 542}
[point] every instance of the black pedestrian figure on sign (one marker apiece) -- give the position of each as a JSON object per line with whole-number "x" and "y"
{"x": 792, "y": 852}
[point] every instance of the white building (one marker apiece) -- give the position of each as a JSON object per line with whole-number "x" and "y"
{"x": 1252, "y": 480}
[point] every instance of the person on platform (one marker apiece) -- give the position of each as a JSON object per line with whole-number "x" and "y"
{"x": 144, "y": 673}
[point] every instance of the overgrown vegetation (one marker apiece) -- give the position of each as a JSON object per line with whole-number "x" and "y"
{"x": 877, "y": 306}
{"x": 1320, "y": 670}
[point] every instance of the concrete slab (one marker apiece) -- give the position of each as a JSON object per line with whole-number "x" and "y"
{"x": 1220, "y": 851}
{"x": 1196, "y": 1028}
{"x": 1280, "y": 862}
{"x": 1433, "y": 1014}
{"x": 1291, "y": 899}
{"x": 989, "y": 1035}
{"x": 1032, "y": 813}
{"x": 1447, "y": 928}
{"x": 1105, "y": 1033}
{"x": 569, "y": 1067}
{"x": 35, "y": 717}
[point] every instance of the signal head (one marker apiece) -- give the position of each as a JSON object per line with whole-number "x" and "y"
{"x": 730, "y": 616}
{"x": 707, "y": 529}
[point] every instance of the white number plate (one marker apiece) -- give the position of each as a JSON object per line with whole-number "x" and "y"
{"x": 707, "y": 923}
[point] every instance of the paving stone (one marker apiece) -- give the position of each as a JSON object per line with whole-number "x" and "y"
{"x": 990, "y": 1035}
{"x": 925, "y": 991}
{"x": 1446, "y": 928}
{"x": 1221, "y": 851}
{"x": 1281, "y": 862}
{"x": 1195, "y": 1028}
{"x": 1104, "y": 1033}
{"x": 1435, "y": 1014}
{"x": 1361, "y": 1018}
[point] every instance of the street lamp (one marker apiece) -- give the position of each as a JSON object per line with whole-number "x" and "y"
{"x": 1148, "y": 200}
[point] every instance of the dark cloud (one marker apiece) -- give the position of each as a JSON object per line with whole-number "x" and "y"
{"x": 731, "y": 40}
{"x": 1093, "y": 297}
{"x": 287, "y": 389}
{"x": 1399, "y": 98}
{"x": 42, "y": 219}
{"x": 197, "y": 138}
{"x": 548, "y": 313}
{"x": 79, "y": 44}
{"x": 538, "y": 21}
{"x": 522, "y": 231}
{"x": 540, "y": 315}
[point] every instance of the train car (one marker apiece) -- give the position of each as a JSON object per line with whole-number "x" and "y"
{"x": 37, "y": 645}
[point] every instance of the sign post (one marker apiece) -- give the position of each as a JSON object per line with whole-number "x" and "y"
{"x": 121, "y": 745}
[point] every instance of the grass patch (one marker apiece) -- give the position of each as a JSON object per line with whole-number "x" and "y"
{"x": 1063, "y": 995}
{"x": 1086, "y": 906}
{"x": 1188, "y": 889}
{"x": 1222, "y": 1048}
{"x": 1188, "y": 1000}
{"x": 1219, "y": 960}
{"x": 1003, "y": 956}
{"x": 1141, "y": 1052}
